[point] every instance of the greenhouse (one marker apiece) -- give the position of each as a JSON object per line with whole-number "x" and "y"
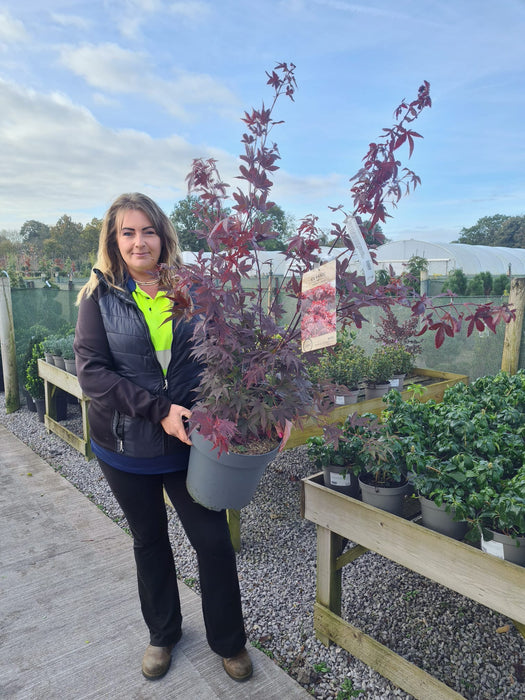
{"x": 444, "y": 258}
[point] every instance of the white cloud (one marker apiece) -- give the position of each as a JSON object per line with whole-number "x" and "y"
{"x": 11, "y": 30}
{"x": 58, "y": 159}
{"x": 191, "y": 9}
{"x": 74, "y": 21}
{"x": 116, "y": 70}
{"x": 130, "y": 14}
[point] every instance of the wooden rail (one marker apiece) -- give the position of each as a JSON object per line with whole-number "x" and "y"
{"x": 484, "y": 578}
{"x": 434, "y": 383}
{"x": 54, "y": 378}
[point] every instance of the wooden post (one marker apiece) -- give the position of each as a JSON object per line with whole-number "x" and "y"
{"x": 234, "y": 523}
{"x": 511, "y": 344}
{"x": 8, "y": 349}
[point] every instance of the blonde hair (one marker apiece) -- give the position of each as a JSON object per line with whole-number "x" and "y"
{"x": 109, "y": 260}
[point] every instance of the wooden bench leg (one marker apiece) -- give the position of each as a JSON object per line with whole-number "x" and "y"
{"x": 329, "y": 547}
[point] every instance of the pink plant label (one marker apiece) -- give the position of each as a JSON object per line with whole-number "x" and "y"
{"x": 318, "y": 308}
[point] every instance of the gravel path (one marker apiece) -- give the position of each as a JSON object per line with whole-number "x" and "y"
{"x": 441, "y": 631}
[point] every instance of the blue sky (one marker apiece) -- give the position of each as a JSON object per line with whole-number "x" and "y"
{"x": 101, "y": 97}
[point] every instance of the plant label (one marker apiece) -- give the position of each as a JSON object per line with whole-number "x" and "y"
{"x": 491, "y": 547}
{"x": 360, "y": 247}
{"x": 339, "y": 479}
{"x": 318, "y": 307}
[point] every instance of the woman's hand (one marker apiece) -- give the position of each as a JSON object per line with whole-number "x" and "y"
{"x": 173, "y": 423}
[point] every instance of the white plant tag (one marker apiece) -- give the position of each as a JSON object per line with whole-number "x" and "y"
{"x": 339, "y": 479}
{"x": 361, "y": 249}
{"x": 394, "y": 382}
{"x": 339, "y": 400}
{"x": 491, "y": 547}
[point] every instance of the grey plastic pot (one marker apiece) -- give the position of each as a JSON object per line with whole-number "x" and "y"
{"x": 341, "y": 479}
{"x": 226, "y": 481}
{"x": 437, "y": 518}
{"x": 375, "y": 391}
{"x": 389, "y": 498}
{"x": 505, "y": 547}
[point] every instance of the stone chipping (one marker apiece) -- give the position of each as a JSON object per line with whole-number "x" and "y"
{"x": 474, "y": 650}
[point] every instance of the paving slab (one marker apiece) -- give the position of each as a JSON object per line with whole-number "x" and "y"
{"x": 70, "y": 622}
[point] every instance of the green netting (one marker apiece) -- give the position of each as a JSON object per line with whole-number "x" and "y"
{"x": 476, "y": 356}
{"x": 40, "y": 312}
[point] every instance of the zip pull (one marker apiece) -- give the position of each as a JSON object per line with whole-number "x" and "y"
{"x": 121, "y": 446}
{"x": 165, "y": 383}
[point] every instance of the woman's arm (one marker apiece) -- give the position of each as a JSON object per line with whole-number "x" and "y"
{"x": 97, "y": 376}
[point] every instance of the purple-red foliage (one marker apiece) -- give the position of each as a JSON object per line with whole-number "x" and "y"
{"x": 390, "y": 331}
{"x": 255, "y": 380}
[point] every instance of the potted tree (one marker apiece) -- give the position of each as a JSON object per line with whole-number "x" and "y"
{"x": 255, "y": 381}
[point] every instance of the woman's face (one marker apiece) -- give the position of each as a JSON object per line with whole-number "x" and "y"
{"x": 139, "y": 244}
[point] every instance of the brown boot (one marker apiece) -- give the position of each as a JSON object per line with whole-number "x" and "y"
{"x": 156, "y": 662}
{"x": 239, "y": 667}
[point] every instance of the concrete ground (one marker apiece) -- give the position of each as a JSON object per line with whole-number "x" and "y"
{"x": 70, "y": 622}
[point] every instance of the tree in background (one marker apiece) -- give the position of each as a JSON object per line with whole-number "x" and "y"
{"x": 185, "y": 218}
{"x": 7, "y": 250}
{"x": 34, "y": 233}
{"x": 282, "y": 223}
{"x": 501, "y": 285}
{"x": 88, "y": 243}
{"x": 511, "y": 233}
{"x": 412, "y": 275}
{"x": 457, "y": 283}
{"x": 480, "y": 285}
{"x": 187, "y": 223}
{"x": 63, "y": 238}
{"x": 496, "y": 230}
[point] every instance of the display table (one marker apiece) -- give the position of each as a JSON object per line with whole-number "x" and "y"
{"x": 498, "y": 584}
{"x": 54, "y": 378}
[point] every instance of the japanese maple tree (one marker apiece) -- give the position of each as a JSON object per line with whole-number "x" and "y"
{"x": 254, "y": 381}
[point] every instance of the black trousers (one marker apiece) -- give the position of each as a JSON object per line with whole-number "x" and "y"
{"x": 141, "y": 498}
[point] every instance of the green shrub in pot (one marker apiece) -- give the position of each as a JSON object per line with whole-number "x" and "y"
{"x": 380, "y": 367}
{"x": 345, "y": 364}
{"x": 34, "y": 384}
{"x": 66, "y": 347}
{"x": 465, "y": 451}
{"x": 402, "y": 360}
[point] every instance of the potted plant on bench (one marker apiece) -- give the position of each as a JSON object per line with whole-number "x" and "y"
{"x": 34, "y": 384}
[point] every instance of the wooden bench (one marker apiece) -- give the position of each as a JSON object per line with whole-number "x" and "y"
{"x": 56, "y": 378}
{"x": 460, "y": 567}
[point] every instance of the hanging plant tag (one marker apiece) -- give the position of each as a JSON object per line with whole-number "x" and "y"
{"x": 318, "y": 307}
{"x": 491, "y": 547}
{"x": 361, "y": 249}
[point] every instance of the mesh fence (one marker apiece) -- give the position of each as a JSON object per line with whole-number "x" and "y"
{"x": 50, "y": 311}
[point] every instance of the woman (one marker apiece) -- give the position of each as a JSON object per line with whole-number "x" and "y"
{"x": 140, "y": 376}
